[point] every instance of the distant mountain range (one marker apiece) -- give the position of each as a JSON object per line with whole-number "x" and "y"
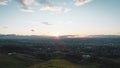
{"x": 13, "y": 36}
{"x": 103, "y": 36}
{"x": 91, "y": 36}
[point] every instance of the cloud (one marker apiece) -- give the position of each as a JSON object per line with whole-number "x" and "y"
{"x": 46, "y": 23}
{"x": 46, "y": 5}
{"x": 29, "y": 2}
{"x": 32, "y": 30}
{"x": 3, "y": 2}
{"x": 81, "y": 2}
{"x": 46, "y": 2}
{"x": 65, "y": 10}
{"x": 55, "y": 9}
{"x": 36, "y": 3}
{"x": 25, "y": 2}
{"x": 51, "y": 8}
{"x": 26, "y": 9}
{"x": 5, "y": 27}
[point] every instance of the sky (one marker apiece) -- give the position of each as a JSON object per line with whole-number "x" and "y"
{"x": 60, "y": 17}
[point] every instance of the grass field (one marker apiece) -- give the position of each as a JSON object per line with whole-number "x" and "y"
{"x": 17, "y": 61}
{"x": 61, "y": 63}
{"x": 27, "y": 61}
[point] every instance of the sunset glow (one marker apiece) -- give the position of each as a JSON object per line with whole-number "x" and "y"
{"x": 57, "y": 34}
{"x": 60, "y": 17}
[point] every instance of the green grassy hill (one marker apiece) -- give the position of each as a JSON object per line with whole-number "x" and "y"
{"x": 61, "y": 63}
{"x": 17, "y": 61}
{"x": 56, "y": 63}
{"x": 27, "y": 61}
